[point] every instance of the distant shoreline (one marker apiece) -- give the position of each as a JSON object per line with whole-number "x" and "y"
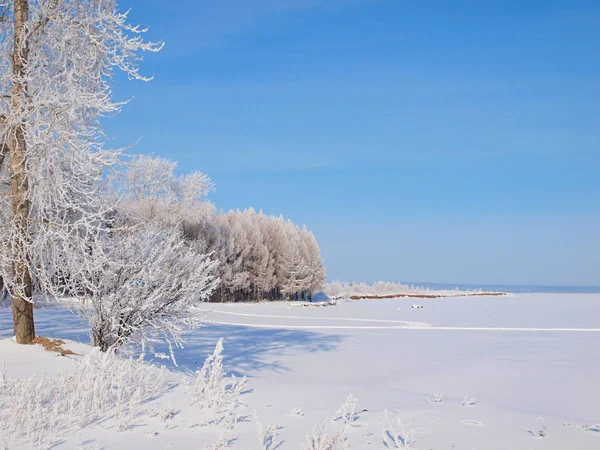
{"x": 405, "y": 295}
{"x": 509, "y": 288}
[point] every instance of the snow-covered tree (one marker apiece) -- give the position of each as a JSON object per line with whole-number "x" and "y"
{"x": 315, "y": 262}
{"x": 151, "y": 265}
{"x": 296, "y": 271}
{"x": 57, "y": 59}
{"x": 237, "y": 251}
{"x": 277, "y": 246}
{"x": 144, "y": 287}
{"x": 151, "y": 191}
{"x": 267, "y": 280}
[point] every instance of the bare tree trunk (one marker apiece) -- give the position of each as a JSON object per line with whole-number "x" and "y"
{"x": 22, "y": 307}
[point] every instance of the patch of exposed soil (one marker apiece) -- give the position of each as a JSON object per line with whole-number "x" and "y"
{"x": 53, "y": 345}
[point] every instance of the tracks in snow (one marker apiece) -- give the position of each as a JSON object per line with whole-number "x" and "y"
{"x": 348, "y": 319}
{"x": 399, "y": 324}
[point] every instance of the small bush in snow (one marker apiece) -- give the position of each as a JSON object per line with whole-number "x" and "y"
{"x": 296, "y": 412}
{"x": 469, "y": 401}
{"x": 319, "y": 438}
{"x": 347, "y": 412}
{"x": 167, "y": 415}
{"x": 395, "y": 434}
{"x": 217, "y": 395}
{"x": 437, "y": 398}
{"x": 266, "y": 435}
{"x": 221, "y": 444}
{"x": 538, "y": 433}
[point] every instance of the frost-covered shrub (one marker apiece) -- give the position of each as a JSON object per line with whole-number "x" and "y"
{"x": 220, "y": 444}
{"x": 217, "y": 395}
{"x": 538, "y": 432}
{"x": 320, "y": 439}
{"x": 266, "y": 434}
{"x": 42, "y": 408}
{"x": 469, "y": 401}
{"x": 347, "y": 412}
{"x": 296, "y": 412}
{"x": 395, "y": 434}
{"x": 144, "y": 285}
{"x": 437, "y": 397}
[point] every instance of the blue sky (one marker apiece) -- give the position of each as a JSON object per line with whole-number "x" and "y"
{"x": 452, "y": 142}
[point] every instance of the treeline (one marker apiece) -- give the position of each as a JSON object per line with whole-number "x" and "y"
{"x": 338, "y": 289}
{"x": 258, "y": 257}
{"x": 255, "y": 256}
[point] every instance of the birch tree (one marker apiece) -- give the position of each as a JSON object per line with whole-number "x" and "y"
{"x": 57, "y": 60}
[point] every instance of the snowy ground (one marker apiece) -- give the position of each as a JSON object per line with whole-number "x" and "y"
{"x": 529, "y": 360}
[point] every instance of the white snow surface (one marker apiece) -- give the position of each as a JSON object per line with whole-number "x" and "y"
{"x": 525, "y": 360}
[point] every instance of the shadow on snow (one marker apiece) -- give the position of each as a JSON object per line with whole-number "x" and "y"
{"x": 52, "y": 322}
{"x": 247, "y": 351}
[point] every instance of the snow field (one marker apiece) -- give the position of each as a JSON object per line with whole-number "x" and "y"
{"x": 423, "y": 386}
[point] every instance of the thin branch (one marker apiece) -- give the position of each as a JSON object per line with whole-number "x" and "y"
{"x": 3, "y": 17}
{"x": 43, "y": 21}
{"x": 3, "y": 152}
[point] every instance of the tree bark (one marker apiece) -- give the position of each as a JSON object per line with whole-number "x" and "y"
{"x": 22, "y": 302}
